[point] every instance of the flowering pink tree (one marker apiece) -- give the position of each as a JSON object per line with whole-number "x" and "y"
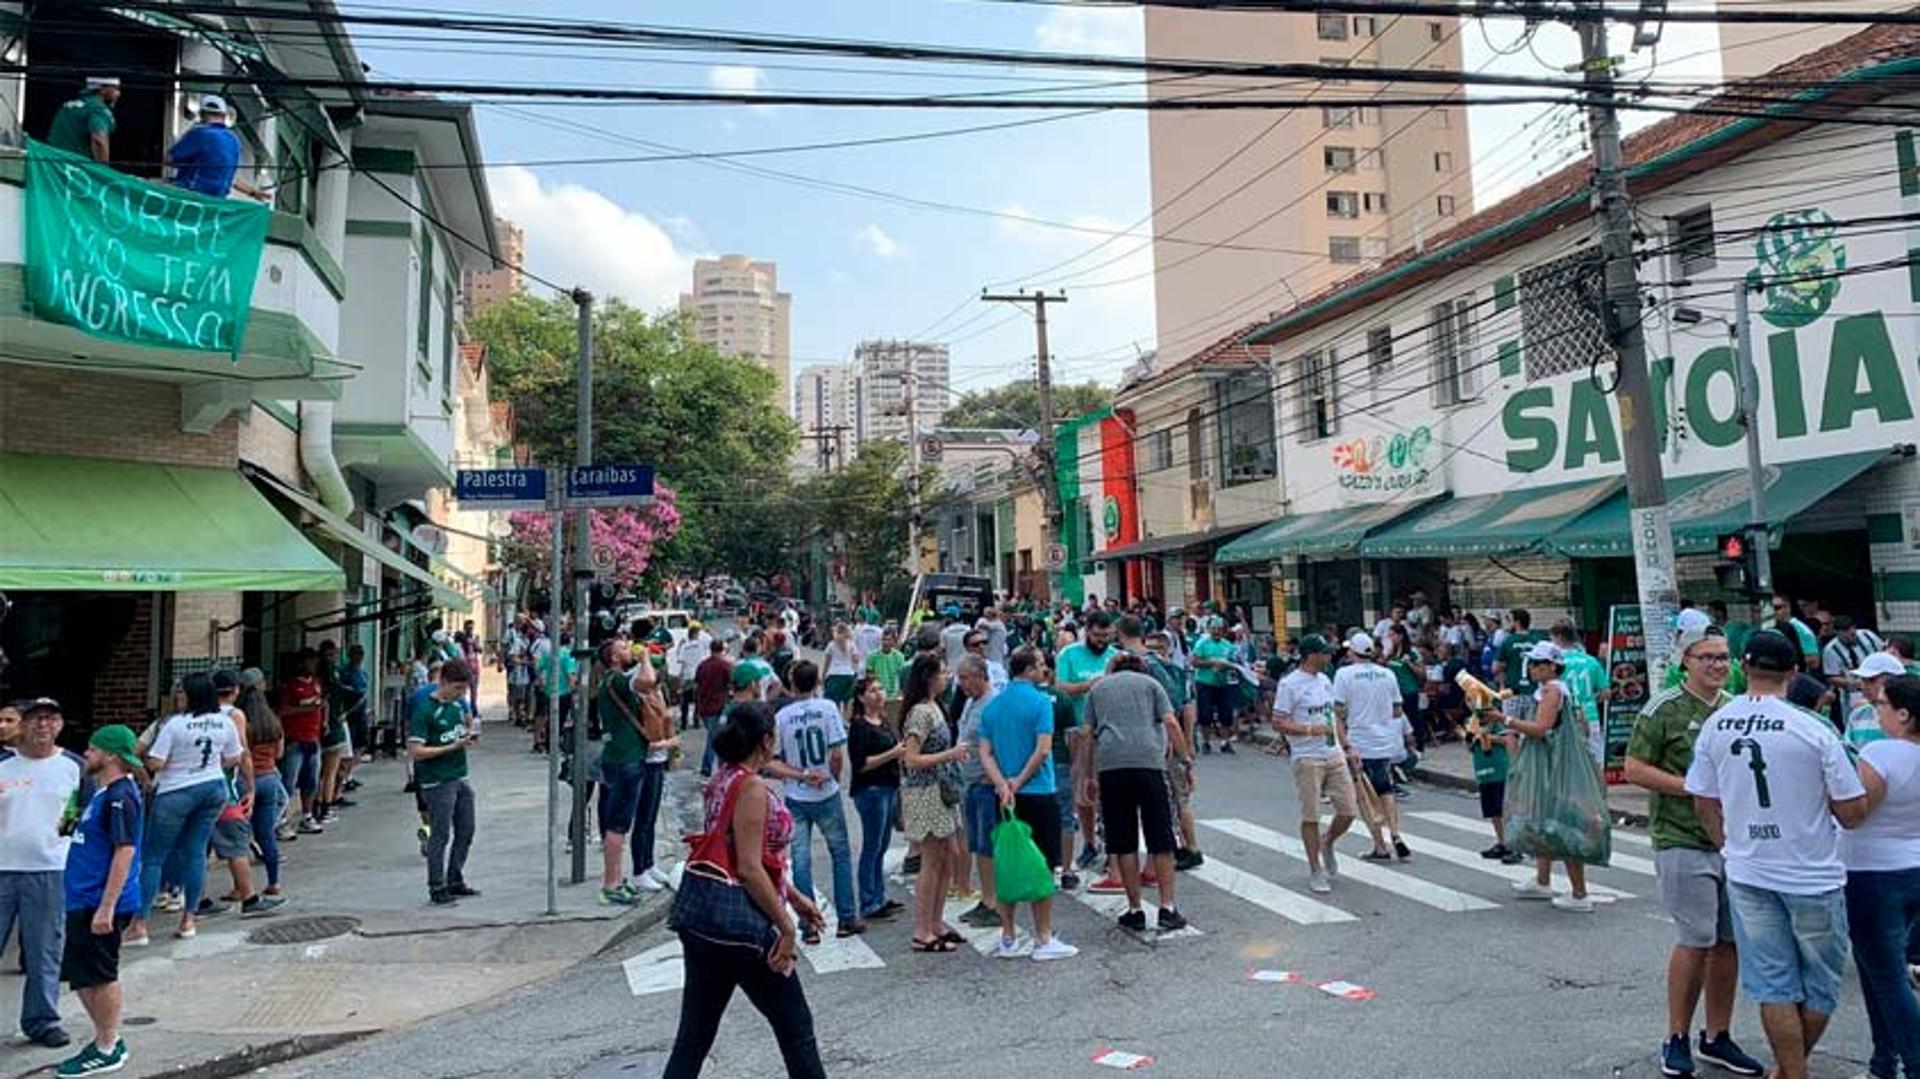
{"x": 630, "y": 533}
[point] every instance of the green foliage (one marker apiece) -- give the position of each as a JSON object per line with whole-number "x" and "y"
{"x": 1017, "y": 404}
{"x": 863, "y": 508}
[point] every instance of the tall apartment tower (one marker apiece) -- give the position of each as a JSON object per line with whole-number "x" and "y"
{"x": 484, "y": 288}
{"x": 1297, "y": 199}
{"x": 826, "y": 398}
{"x": 881, "y": 367}
{"x": 738, "y": 308}
{"x": 1751, "y": 49}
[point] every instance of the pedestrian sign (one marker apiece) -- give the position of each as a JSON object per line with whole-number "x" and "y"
{"x": 501, "y": 488}
{"x": 610, "y": 485}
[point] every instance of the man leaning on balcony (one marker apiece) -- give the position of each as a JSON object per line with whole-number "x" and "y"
{"x": 84, "y": 125}
{"x": 206, "y": 158}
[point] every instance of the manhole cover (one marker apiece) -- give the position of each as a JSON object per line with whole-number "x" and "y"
{"x": 303, "y": 930}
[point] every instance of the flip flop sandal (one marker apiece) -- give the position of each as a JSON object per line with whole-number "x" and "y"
{"x": 938, "y": 944}
{"x": 953, "y": 938}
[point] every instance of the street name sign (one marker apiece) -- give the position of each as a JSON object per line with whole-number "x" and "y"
{"x": 610, "y": 485}
{"x": 501, "y": 488}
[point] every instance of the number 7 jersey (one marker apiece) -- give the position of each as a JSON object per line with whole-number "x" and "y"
{"x": 1775, "y": 770}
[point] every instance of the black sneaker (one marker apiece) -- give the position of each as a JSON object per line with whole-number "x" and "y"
{"x": 1188, "y": 859}
{"x": 1495, "y": 852}
{"x": 352, "y": 785}
{"x": 1377, "y": 856}
{"x": 1226, "y": 747}
{"x": 1170, "y": 920}
{"x": 1400, "y": 850}
{"x": 441, "y": 898}
{"x": 911, "y": 865}
{"x": 1512, "y": 857}
{"x": 209, "y": 909}
{"x": 343, "y": 803}
{"x": 980, "y": 916}
{"x": 1722, "y": 1053}
{"x": 260, "y": 906}
{"x": 1674, "y": 1058}
{"x": 1135, "y": 920}
{"x": 1069, "y": 881}
{"x": 51, "y": 1038}
{"x": 1089, "y": 854}
{"x": 461, "y": 891}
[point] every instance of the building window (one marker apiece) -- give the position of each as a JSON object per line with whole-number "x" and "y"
{"x": 1332, "y": 27}
{"x": 1443, "y": 161}
{"x": 1338, "y": 158}
{"x": 1443, "y": 205}
{"x": 1560, "y": 326}
{"x": 1374, "y": 248}
{"x": 1246, "y": 427}
{"x": 1331, "y": 116}
{"x": 423, "y": 333}
{"x": 1343, "y": 204}
{"x": 1379, "y": 358}
{"x": 1369, "y": 115}
{"x": 1692, "y": 238}
{"x": 1374, "y": 202}
{"x": 1160, "y": 450}
{"x": 1451, "y": 328}
{"x": 1442, "y": 119}
{"x": 1365, "y": 26}
{"x": 1436, "y": 31}
{"x": 1343, "y": 250}
{"x": 1318, "y": 408}
{"x": 1370, "y": 160}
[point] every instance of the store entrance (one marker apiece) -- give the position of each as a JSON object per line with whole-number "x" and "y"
{"x": 1835, "y": 568}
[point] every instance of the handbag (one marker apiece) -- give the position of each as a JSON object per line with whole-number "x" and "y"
{"x": 947, "y": 776}
{"x": 711, "y": 903}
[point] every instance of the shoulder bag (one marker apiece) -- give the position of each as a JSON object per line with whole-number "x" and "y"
{"x": 711, "y": 903}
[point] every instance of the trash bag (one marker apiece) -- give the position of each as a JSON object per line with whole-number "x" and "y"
{"x": 1556, "y": 806}
{"x": 1020, "y": 873}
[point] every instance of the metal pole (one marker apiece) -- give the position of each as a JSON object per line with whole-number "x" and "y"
{"x": 1043, "y": 378}
{"x": 1757, "y": 524}
{"x": 913, "y": 466}
{"x": 583, "y": 576}
{"x": 1651, "y": 520}
{"x": 555, "y": 588}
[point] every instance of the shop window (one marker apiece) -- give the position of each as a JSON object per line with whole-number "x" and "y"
{"x": 1246, "y": 427}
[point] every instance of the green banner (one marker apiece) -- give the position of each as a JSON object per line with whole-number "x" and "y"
{"x": 129, "y": 260}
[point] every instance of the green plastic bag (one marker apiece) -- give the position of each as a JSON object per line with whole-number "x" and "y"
{"x": 1556, "y": 805}
{"x": 1020, "y": 873}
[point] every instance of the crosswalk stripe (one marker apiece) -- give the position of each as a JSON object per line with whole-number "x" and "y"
{"x": 1112, "y": 905}
{"x": 657, "y": 970}
{"x": 1635, "y": 838}
{"x": 1402, "y": 884}
{"x": 983, "y": 938}
{"x": 835, "y": 954}
{"x": 1469, "y": 859}
{"x": 1262, "y": 893}
{"x": 1628, "y": 862}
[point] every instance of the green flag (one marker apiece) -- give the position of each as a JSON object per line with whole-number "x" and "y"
{"x": 131, "y": 260}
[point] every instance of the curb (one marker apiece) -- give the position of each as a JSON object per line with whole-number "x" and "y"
{"x": 640, "y": 921}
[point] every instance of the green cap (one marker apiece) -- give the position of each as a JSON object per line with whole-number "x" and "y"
{"x": 744, "y": 676}
{"x": 117, "y": 739}
{"x": 1314, "y": 644}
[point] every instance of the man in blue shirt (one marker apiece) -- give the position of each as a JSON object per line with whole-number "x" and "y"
{"x": 103, "y": 894}
{"x": 1016, "y": 751}
{"x": 207, "y": 156}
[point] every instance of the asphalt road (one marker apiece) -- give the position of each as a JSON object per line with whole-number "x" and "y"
{"x": 1465, "y": 980}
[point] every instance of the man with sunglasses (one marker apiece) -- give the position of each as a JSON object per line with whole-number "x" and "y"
{"x": 1795, "y": 631}
{"x": 1692, "y": 874}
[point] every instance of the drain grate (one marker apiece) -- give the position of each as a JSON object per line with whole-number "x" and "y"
{"x": 304, "y": 930}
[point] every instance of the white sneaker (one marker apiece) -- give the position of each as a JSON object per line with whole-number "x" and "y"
{"x": 651, "y": 881}
{"x": 1319, "y": 883}
{"x": 1054, "y": 949}
{"x": 1330, "y": 861}
{"x": 1531, "y": 889}
{"x": 1913, "y": 974}
{"x": 1573, "y": 904}
{"x": 1013, "y": 948}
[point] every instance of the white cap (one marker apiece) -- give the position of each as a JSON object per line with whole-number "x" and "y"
{"x": 1546, "y": 652}
{"x": 213, "y": 103}
{"x": 1360, "y": 644}
{"x": 539, "y": 625}
{"x": 1880, "y": 665}
{"x": 439, "y": 635}
{"x": 1691, "y": 620}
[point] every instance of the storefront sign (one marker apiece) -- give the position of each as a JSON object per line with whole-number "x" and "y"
{"x": 125, "y": 259}
{"x": 1397, "y": 466}
{"x": 1910, "y": 521}
{"x": 1627, "y": 672}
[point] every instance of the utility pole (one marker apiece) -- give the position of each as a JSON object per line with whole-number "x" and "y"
{"x": 556, "y": 587}
{"x": 913, "y": 466}
{"x": 1043, "y": 377}
{"x": 1757, "y": 530}
{"x": 823, "y": 453}
{"x": 583, "y": 583}
{"x": 1649, "y": 516}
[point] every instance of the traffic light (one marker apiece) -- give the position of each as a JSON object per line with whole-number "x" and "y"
{"x": 601, "y": 619}
{"x": 1739, "y": 568}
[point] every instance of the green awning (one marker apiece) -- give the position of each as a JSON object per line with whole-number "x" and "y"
{"x": 345, "y": 531}
{"x": 1504, "y": 523}
{"x": 1707, "y": 507}
{"x": 77, "y": 523}
{"x": 1312, "y": 533}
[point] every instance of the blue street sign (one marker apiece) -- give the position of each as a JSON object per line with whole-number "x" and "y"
{"x": 501, "y": 488}
{"x": 610, "y": 485}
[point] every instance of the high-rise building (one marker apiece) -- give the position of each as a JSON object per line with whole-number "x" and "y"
{"x": 1255, "y": 209}
{"x": 882, "y": 368}
{"x": 738, "y": 308}
{"x": 484, "y": 288}
{"x": 826, "y": 402}
{"x": 1749, "y": 49}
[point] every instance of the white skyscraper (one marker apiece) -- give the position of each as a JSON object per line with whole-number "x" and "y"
{"x": 826, "y": 397}
{"x": 881, "y": 367}
{"x": 738, "y": 308}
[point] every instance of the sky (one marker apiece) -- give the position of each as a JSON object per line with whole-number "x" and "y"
{"x": 909, "y": 233}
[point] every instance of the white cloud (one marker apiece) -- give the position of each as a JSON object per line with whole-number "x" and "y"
{"x": 736, "y": 78}
{"x": 578, "y": 236}
{"x": 1108, "y": 32}
{"x": 876, "y": 240}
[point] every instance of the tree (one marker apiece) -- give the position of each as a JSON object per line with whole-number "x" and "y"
{"x": 631, "y": 534}
{"x": 862, "y": 510}
{"x": 710, "y": 424}
{"x": 1017, "y": 404}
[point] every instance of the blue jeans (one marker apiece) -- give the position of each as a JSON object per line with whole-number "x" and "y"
{"x": 269, "y": 798}
{"x": 300, "y": 768}
{"x": 1793, "y": 948}
{"x": 711, "y": 723}
{"x": 875, "y": 806}
{"x": 36, "y": 902}
{"x": 831, "y": 819}
{"x": 653, "y": 784}
{"x": 1883, "y": 911}
{"x": 178, "y": 829}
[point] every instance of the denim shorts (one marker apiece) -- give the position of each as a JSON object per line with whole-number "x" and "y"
{"x": 982, "y": 809}
{"x": 1069, "y": 820}
{"x": 1793, "y": 948}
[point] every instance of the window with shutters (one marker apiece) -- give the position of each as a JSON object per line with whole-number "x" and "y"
{"x": 1317, "y": 410}
{"x": 1560, "y": 325}
{"x": 1450, "y": 329}
{"x": 1246, "y": 427}
{"x": 1692, "y": 241}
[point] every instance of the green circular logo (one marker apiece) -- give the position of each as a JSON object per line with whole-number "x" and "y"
{"x": 1798, "y": 255}
{"x": 1110, "y": 516}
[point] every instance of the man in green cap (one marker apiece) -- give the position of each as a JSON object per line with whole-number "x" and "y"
{"x": 84, "y": 125}
{"x": 103, "y": 895}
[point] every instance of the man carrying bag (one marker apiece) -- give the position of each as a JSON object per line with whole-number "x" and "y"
{"x": 1016, "y": 729}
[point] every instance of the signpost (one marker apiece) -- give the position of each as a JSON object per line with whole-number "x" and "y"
{"x": 1056, "y": 556}
{"x": 581, "y": 487}
{"x": 1627, "y": 672}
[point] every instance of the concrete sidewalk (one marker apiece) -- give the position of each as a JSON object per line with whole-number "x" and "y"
{"x": 231, "y": 1000}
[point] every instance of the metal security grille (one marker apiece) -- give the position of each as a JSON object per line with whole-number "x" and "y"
{"x": 1560, "y": 315}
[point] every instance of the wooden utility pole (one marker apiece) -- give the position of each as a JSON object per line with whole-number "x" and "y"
{"x": 1043, "y": 377}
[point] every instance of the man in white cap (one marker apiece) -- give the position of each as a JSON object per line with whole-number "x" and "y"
{"x": 1366, "y": 698}
{"x": 206, "y": 158}
{"x": 85, "y": 124}
{"x": 1686, "y": 626}
{"x": 1863, "y": 721}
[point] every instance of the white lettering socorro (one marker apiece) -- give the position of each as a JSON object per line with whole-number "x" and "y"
{"x": 140, "y": 263}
